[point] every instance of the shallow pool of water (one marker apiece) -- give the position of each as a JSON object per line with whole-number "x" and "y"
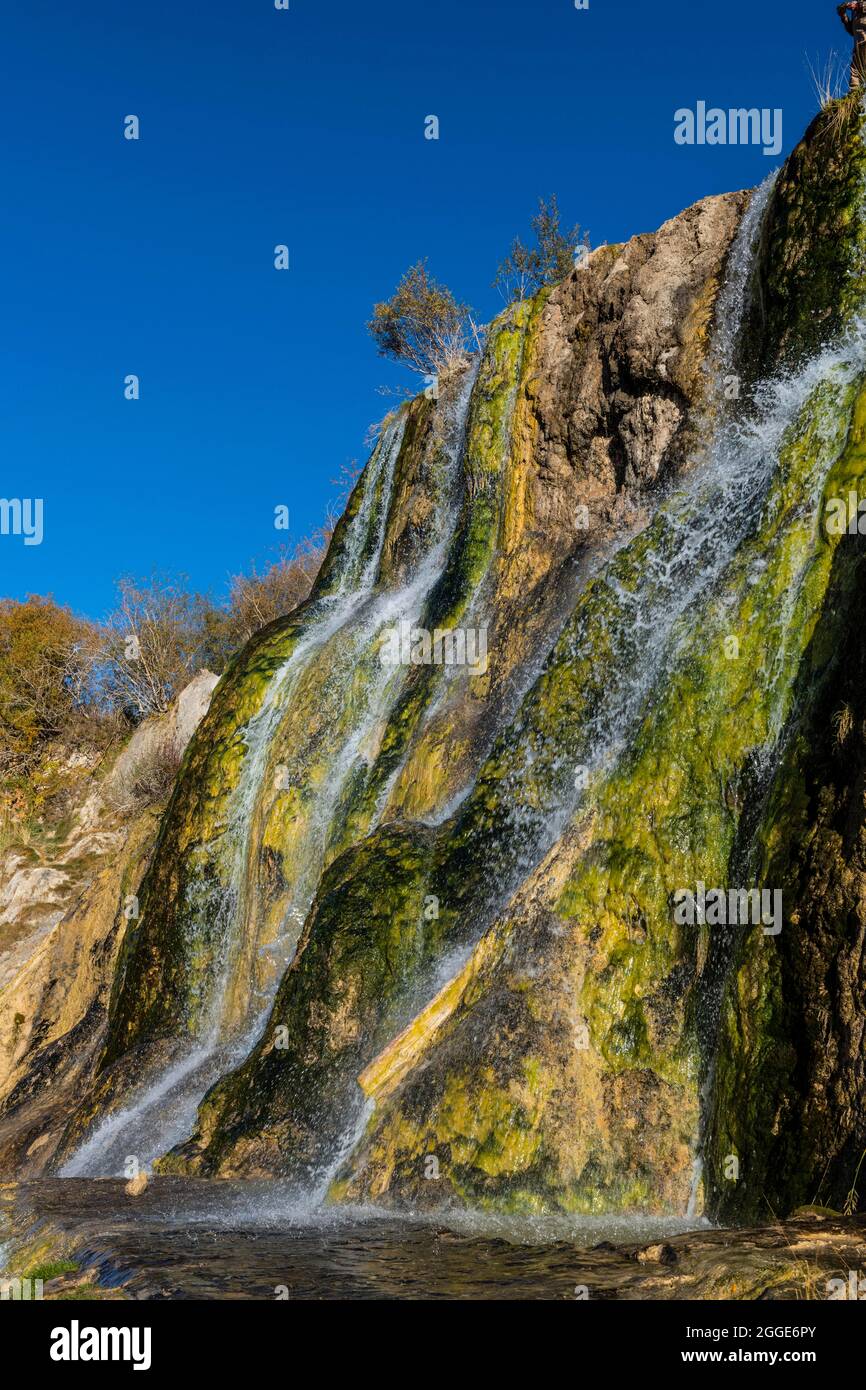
{"x": 187, "y": 1239}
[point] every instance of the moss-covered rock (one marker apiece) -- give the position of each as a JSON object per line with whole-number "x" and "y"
{"x": 787, "y": 1122}
{"x": 811, "y": 268}
{"x": 370, "y": 938}
{"x": 433, "y": 733}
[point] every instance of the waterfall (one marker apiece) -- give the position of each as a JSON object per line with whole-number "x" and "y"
{"x": 357, "y": 609}
{"x": 639, "y": 609}
{"x": 351, "y": 615}
{"x": 643, "y": 607}
{"x": 631, "y": 624}
{"x": 635, "y": 605}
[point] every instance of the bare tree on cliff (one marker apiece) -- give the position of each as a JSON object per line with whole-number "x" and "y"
{"x": 259, "y": 597}
{"x": 421, "y": 325}
{"x": 152, "y": 644}
{"x": 525, "y": 269}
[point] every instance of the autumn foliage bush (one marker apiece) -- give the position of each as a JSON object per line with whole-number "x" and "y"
{"x": 71, "y": 686}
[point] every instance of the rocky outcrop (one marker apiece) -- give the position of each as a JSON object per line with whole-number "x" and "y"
{"x": 622, "y": 350}
{"x": 61, "y": 925}
{"x": 54, "y": 1008}
{"x": 161, "y": 739}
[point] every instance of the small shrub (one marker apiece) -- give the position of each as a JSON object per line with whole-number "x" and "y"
{"x": 525, "y": 269}
{"x": 421, "y": 325}
{"x": 147, "y": 783}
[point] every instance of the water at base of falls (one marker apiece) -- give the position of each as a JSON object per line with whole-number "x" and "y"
{"x": 196, "y": 1239}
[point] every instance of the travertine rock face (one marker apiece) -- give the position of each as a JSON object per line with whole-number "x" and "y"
{"x": 610, "y": 390}
{"x": 588, "y": 397}
{"x": 163, "y": 736}
{"x": 621, "y": 350}
{"x": 567, "y": 1061}
{"x": 53, "y": 1010}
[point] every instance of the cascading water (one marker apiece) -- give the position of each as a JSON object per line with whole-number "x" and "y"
{"x": 358, "y": 611}
{"x": 639, "y": 599}
{"x": 654, "y": 596}
{"x": 354, "y": 580}
{"x": 677, "y": 574}
{"x": 680, "y": 563}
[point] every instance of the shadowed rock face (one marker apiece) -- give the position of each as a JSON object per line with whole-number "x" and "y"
{"x": 420, "y": 920}
{"x": 791, "y": 1068}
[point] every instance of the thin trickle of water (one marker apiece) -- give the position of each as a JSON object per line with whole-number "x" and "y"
{"x": 695, "y": 1189}
{"x": 357, "y": 566}
{"x": 734, "y": 295}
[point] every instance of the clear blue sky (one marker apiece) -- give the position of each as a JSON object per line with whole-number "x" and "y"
{"x": 304, "y": 127}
